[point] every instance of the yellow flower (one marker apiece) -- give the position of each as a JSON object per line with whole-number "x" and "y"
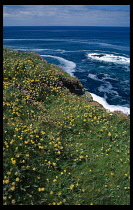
{"x": 64, "y": 200}
{"x": 13, "y": 161}
{"x": 86, "y": 156}
{"x": 13, "y": 201}
{"x": 59, "y": 203}
{"x": 51, "y": 193}
{"x": 111, "y": 173}
{"x": 126, "y": 188}
{"x": 109, "y": 134}
{"x": 8, "y": 172}
{"x": 59, "y": 193}
{"x": 41, "y": 189}
{"x": 54, "y": 164}
{"x": 27, "y": 155}
{"x": 41, "y": 147}
{"x": 4, "y": 198}
{"x": 17, "y": 155}
{"x": 6, "y": 181}
{"x": 38, "y": 177}
{"x": 34, "y": 169}
{"x": 42, "y": 132}
{"x": 12, "y": 188}
{"x": 37, "y": 136}
{"x": 71, "y": 186}
{"x": 17, "y": 179}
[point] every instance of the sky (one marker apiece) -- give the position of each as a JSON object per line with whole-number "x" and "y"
{"x": 66, "y": 15}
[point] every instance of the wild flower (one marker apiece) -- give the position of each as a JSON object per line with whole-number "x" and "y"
{"x": 5, "y": 181}
{"x": 12, "y": 188}
{"x": 17, "y": 179}
{"x": 40, "y": 189}
{"x": 71, "y": 187}
{"x": 13, "y": 161}
{"x": 109, "y": 134}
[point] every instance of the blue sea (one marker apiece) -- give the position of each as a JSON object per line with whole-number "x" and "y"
{"x": 98, "y": 56}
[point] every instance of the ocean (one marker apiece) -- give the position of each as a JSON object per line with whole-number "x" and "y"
{"x": 98, "y": 56}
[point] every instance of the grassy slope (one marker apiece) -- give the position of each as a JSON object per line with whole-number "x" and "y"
{"x": 59, "y": 148}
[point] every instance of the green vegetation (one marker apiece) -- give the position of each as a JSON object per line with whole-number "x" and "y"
{"x": 59, "y": 148}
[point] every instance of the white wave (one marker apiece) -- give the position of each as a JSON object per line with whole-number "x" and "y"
{"x": 107, "y": 88}
{"x": 29, "y": 39}
{"x": 29, "y": 49}
{"x": 106, "y": 76}
{"x": 109, "y": 58}
{"x": 56, "y": 50}
{"x": 119, "y": 47}
{"x": 22, "y": 49}
{"x": 93, "y": 76}
{"x": 39, "y": 49}
{"x": 68, "y": 66}
{"x": 59, "y": 40}
{"x": 112, "y": 108}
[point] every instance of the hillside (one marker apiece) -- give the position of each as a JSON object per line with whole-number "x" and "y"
{"x": 60, "y": 147}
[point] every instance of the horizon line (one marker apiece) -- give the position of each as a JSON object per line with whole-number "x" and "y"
{"x": 64, "y": 26}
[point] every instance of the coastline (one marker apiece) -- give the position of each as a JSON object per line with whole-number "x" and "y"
{"x": 91, "y": 96}
{"x": 100, "y": 100}
{"x": 110, "y": 108}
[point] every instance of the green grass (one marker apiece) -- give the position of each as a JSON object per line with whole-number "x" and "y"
{"x": 59, "y": 148}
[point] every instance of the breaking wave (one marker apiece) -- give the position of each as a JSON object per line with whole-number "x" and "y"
{"x": 109, "y": 58}
{"x": 112, "y": 108}
{"x": 68, "y": 66}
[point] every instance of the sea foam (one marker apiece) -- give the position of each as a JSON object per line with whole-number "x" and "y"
{"x": 68, "y": 66}
{"x": 109, "y": 58}
{"x": 109, "y": 107}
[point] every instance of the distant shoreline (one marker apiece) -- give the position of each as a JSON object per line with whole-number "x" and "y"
{"x": 74, "y": 26}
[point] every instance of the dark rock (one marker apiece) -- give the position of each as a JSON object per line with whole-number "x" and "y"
{"x": 74, "y": 86}
{"x": 99, "y": 55}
